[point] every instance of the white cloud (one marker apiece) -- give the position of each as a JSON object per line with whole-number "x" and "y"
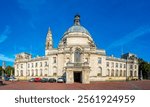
{"x": 5, "y": 58}
{"x": 4, "y": 34}
{"x": 131, "y": 36}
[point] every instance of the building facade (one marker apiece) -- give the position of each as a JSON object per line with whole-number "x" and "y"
{"x": 77, "y": 59}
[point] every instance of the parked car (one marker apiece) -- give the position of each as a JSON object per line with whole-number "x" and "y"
{"x": 13, "y": 79}
{"x": 6, "y": 78}
{"x": 61, "y": 80}
{"x": 31, "y": 80}
{"x": 37, "y": 79}
{"x": 44, "y": 80}
{"x": 1, "y": 82}
{"x": 52, "y": 80}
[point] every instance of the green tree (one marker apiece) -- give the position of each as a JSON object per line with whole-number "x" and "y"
{"x": 145, "y": 68}
{"x": 9, "y": 70}
{"x": 1, "y": 70}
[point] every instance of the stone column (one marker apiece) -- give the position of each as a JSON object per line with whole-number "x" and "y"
{"x": 85, "y": 76}
{"x": 69, "y": 77}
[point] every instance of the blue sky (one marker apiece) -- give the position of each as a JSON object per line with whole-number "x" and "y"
{"x": 115, "y": 25}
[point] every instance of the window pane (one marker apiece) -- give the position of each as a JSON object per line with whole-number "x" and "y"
{"x": 99, "y": 60}
{"x": 77, "y": 56}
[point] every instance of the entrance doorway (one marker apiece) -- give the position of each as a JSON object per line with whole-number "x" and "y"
{"x": 78, "y": 77}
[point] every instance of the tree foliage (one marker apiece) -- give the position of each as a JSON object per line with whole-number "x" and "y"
{"x": 9, "y": 70}
{"x": 145, "y": 68}
{"x": 1, "y": 69}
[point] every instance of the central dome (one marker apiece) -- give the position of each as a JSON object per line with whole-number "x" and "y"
{"x": 77, "y": 28}
{"x": 77, "y": 35}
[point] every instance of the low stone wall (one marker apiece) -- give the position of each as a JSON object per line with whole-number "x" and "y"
{"x": 107, "y": 78}
{"x": 116, "y": 78}
{"x": 97, "y": 78}
{"x": 27, "y": 78}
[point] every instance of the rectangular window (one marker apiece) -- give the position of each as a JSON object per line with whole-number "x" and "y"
{"x": 124, "y": 65}
{"x": 54, "y": 60}
{"x": 36, "y": 64}
{"x": 99, "y": 60}
{"x": 120, "y": 65}
{"x": 46, "y": 64}
{"x": 28, "y": 65}
{"x": 36, "y": 72}
{"x": 112, "y": 65}
{"x": 32, "y": 64}
{"x": 21, "y": 65}
{"x": 131, "y": 66}
{"x": 116, "y": 65}
{"x": 107, "y": 64}
{"x": 40, "y": 64}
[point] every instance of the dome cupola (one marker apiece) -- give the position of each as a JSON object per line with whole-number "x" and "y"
{"x": 77, "y": 35}
{"x": 77, "y": 27}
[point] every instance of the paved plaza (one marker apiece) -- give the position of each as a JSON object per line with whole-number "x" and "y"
{"x": 25, "y": 85}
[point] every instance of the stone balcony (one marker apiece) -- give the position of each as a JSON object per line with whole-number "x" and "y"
{"x": 77, "y": 65}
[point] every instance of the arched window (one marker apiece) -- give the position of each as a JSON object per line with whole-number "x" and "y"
{"x": 77, "y": 55}
{"x": 135, "y": 73}
{"x": 108, "y": 71}
{"x": 112, "y": 64}
{"x": 36, "y": 73}
{"x": 21, "y": 73}
{"x": 28, "y": 73}
{"x": 17, "y": 74}
{"x": 116, "y": 73}
{"x": 67, "y": 60}
{"x": 41, "y": 72}
{"x": 48, "y": 44}
{"x": 131, "y": 73}
{"x": 112, "y": 73}
{"x": 46, "y": 72}
{"x": 32, "y": 73}
{"x": 54, "y": 74}
{"x": 99, "y": 72}
{"x": 54, "y": 69}
{"x": 124, "y": 73}
{"x": 120, "y": 73}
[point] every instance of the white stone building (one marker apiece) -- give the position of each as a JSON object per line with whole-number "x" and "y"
{"x": 77, "y": 59}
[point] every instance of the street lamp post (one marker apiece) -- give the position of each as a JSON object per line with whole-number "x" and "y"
{"x": 2, "y": 74}
{"x": 126, "y": 69}
{"x": 141, "y": 75}
{"x": 4, "y": 67}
